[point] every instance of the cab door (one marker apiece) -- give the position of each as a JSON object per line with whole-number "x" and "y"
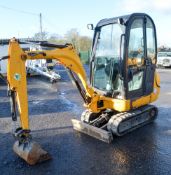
{"x": 141, "y": 57}
{"x": 150, "y": 55}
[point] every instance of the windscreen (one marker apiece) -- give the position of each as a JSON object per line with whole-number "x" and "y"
{"x": 106, "y": 61}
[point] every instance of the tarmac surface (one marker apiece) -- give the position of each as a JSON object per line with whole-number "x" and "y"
{"x": 51, "y": 108}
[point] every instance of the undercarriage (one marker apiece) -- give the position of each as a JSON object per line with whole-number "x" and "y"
{"x": 108, "y": 123}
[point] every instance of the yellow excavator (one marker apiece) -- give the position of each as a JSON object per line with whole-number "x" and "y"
{"x": 123, "y": 81}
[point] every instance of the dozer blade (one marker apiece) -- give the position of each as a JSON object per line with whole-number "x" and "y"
{"x": 93, "y": 131}
{"x": 31, "y": 152}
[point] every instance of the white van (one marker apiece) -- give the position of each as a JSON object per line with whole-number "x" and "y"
{"x": 164, "y": 59}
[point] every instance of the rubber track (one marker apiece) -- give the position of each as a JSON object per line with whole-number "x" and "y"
{"x": 133, "y": 119}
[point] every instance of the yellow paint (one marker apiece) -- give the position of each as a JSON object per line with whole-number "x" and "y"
{"x": 17, "y": 65}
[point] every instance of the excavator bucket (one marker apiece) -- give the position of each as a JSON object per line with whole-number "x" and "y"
{"x": 31, "y": 152}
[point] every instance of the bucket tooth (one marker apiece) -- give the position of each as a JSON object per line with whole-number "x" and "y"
{"x": 31, "y": 152}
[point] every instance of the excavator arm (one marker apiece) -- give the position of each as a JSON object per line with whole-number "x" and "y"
{"x": 16, "y": 75}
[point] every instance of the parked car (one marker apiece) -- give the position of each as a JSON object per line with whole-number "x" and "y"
{"x": 164, "y": 59}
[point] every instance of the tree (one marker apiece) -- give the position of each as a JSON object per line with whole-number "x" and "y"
{"x": 80, "y": 43}
{"x": 40, "y": 36}
{"x": 72, "y": 36}
{"x": 56, "y": 39}
{"x": 53, "y": 37}
{"x": 85, "y": 43}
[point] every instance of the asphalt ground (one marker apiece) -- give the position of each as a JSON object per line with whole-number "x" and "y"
{"x": 51, "y": 108}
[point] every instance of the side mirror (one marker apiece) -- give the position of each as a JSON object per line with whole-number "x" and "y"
{"x": 90, "y": 26}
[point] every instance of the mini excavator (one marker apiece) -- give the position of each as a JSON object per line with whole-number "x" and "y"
{"x": 123, "y": 81}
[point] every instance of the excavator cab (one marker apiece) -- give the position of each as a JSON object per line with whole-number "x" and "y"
{"x": 123, "y": 74}
{"x": 124, "y": 55}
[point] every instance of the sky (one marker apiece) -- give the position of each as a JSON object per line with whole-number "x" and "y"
{"x": 59, "y": 16}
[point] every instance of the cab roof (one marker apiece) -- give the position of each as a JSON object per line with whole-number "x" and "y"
{"x": 114, "y": 20}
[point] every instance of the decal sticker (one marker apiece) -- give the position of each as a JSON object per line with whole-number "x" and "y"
{"x": 17, "y": 76}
